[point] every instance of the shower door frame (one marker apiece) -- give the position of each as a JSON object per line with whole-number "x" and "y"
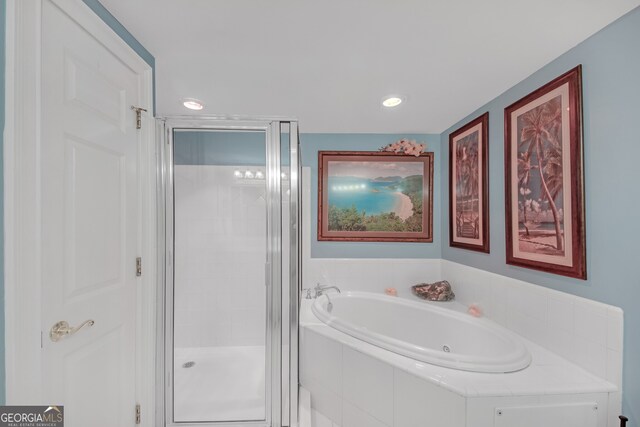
{"x": 273, "y": 129}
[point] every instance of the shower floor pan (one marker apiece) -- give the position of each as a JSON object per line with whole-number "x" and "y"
{"x": 222, "y": 384}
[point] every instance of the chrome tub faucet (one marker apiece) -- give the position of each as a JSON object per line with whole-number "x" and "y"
{"x": 320, "y": 290}
{"x": 313, "y": 293}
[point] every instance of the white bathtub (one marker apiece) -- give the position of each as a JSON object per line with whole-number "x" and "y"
{"x": 424, "y": 332}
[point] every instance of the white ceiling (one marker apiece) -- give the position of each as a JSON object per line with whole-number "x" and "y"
{"x": 330, "y": 62}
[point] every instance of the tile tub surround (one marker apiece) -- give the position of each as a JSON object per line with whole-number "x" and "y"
{"x": 585, "y": 332}
{"x": 370, "y": 275}
{"x": 353, "y": 383}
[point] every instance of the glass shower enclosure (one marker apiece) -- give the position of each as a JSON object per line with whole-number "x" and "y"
{"x": 229, "y": 345}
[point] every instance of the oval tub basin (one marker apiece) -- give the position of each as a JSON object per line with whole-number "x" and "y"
{"x": 424, "y": 331}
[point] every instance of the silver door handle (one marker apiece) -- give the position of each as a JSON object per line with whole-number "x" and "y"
{"x": 62, "y": 329}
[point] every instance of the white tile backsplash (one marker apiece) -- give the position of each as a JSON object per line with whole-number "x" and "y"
{"x": 585, "y": 332}
{"x": 560, "y": 313}
{"x": 614, "y": 367}
{"x": 371, "y": 275}
{"x": 591, "y": 322}
{"x": 615, "y": 328}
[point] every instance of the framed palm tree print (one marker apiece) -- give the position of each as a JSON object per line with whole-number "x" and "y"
{"x": 469, "y": 186}
{"x": 545, "y": 226}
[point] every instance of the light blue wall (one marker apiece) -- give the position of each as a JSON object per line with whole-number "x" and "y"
{"x": 312, "y": 143}
{"x": 116, "y": 26}
{"x": 219, "y": 148}
{"x": 131, "y": 41}
{"x": 247, "y": 148}
{"x": 611, "y": 79}
{"x": 236, "y": 148}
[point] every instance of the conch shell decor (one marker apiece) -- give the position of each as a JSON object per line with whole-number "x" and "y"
{"x": 438, "y": 291}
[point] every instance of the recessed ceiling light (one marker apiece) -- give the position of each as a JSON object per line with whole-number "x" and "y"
{"x": 193, "y": 104}
{"x": 392, "y": 101}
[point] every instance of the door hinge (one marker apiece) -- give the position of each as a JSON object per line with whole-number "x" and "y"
{"x": 138, "y": 266}
{"x": 138, "y": 416}
{"x": 138, "y": 111}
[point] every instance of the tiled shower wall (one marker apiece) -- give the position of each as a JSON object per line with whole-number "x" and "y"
{"x": 219, "y": 258}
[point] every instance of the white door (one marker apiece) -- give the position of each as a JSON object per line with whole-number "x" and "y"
{"x": 91, "y": 226}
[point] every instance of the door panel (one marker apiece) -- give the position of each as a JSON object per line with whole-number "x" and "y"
{"x": 94, "y": 222}
{"x": 91, "y": 90}
{"x": 90, "y": 224}
{"x": 80, "y": 364}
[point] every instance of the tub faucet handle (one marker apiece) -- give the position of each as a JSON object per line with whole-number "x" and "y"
{"x": 322, "y": 290}
{"x": 318, "y": 290}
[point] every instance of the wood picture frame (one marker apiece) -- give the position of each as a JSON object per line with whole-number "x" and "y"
{"x": 372, "y": 196}
{"x": 469, "y": 186}
{"x": 544, "y": 181}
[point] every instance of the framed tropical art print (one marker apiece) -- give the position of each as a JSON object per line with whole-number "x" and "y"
{"x": 375, "y": 196}
{"x": 544, "y": 184}
{"x": 469, "y": 186}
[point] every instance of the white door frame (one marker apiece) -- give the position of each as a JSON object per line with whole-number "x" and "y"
{"x": 22, "y": 139}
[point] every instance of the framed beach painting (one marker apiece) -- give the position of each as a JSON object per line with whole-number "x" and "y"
{"x": 375, "y": 196}
{"x": 469, "y": 186}
{"x": 545, "y": 226}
